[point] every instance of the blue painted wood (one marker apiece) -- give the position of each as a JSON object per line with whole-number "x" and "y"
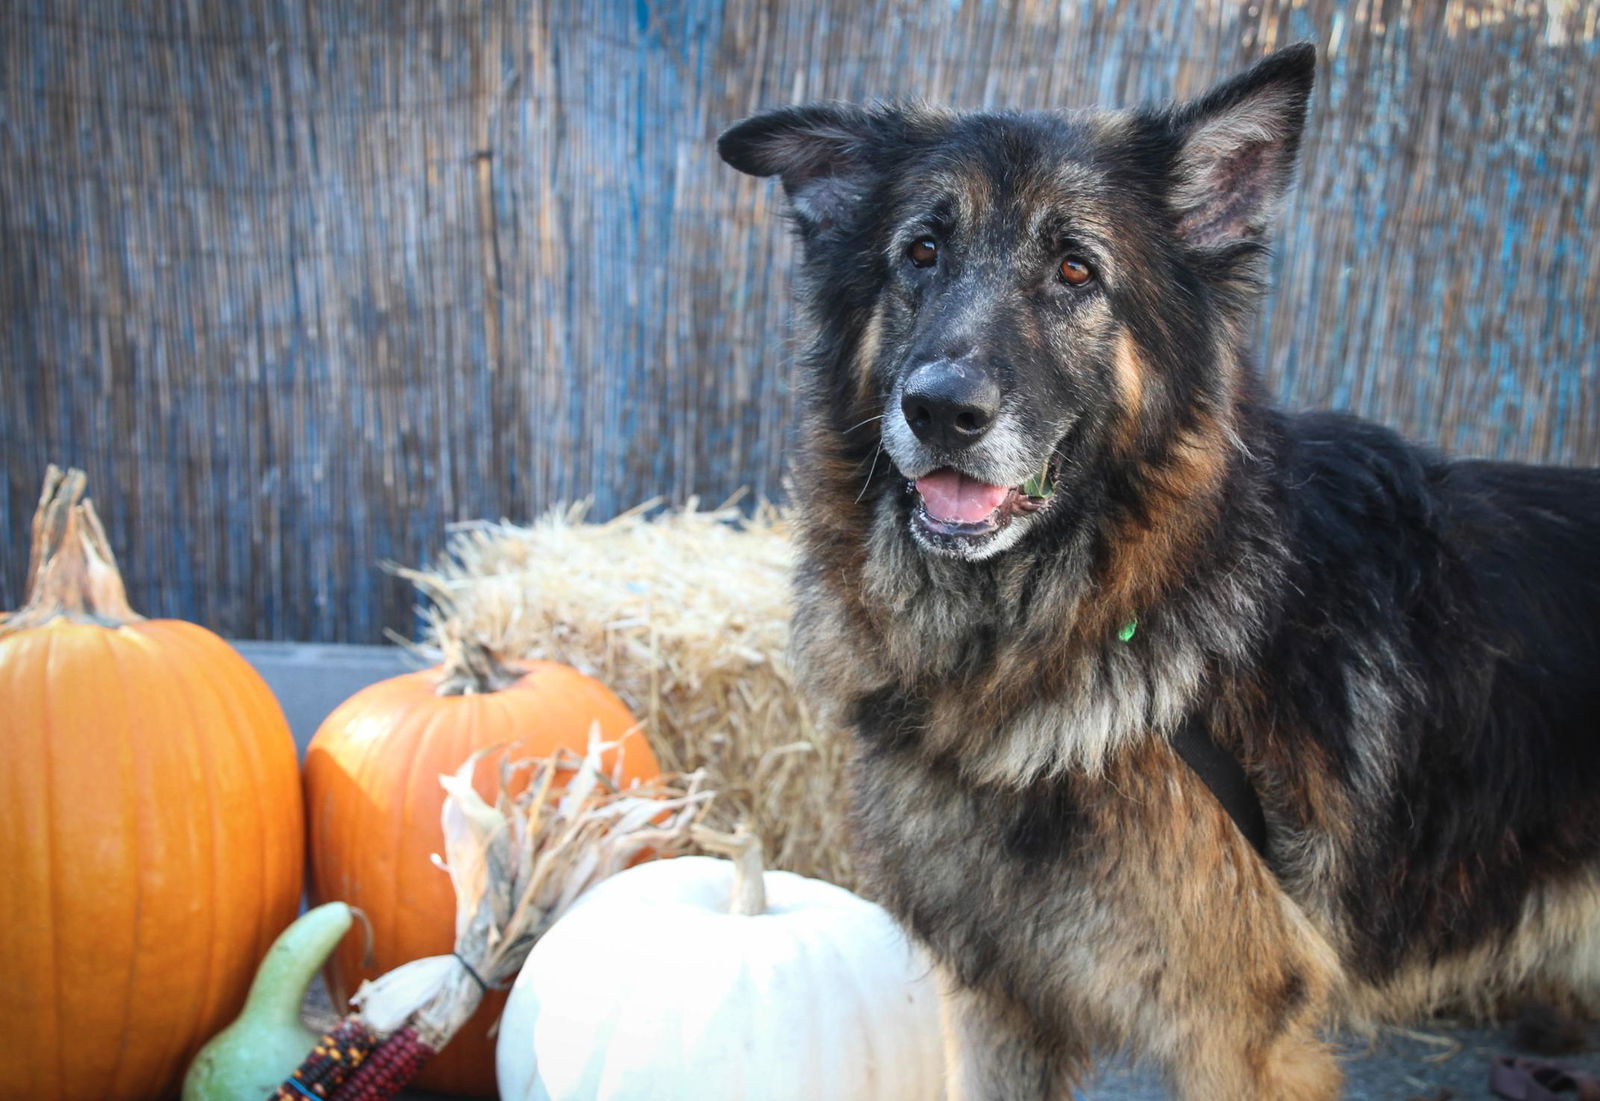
{"x": 301, "y": 284}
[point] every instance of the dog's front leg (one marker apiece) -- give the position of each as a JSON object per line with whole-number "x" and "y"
{"x": 993, "y": 1052}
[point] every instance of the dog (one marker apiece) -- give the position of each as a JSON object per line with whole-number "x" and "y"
{"x": 1056, "y": 547}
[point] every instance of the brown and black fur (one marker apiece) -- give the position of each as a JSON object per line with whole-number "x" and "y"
{"x": 1403, "y": 652}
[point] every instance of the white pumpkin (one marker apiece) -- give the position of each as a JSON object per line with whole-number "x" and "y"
{"x": 675, "y": 979}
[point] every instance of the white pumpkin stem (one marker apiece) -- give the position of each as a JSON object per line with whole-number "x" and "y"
{"x": 72, "y": 571}
{"x": 749, "y": 866}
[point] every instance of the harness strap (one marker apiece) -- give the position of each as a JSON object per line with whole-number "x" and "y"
{"x": 1221, "y": 771}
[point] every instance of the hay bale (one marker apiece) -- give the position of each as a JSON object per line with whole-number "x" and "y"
{"x": 685, "y": 614}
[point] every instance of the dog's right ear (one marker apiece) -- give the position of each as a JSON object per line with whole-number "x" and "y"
{"x": 823, "y": 153}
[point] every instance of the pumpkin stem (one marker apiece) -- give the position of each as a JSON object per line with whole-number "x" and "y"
{"x": 470, "y": 667}
{"x": 749, "y": 866}
{"x": 72, "y": 571}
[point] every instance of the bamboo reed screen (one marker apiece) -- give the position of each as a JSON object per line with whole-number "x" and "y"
{"x": 301, "y": 282}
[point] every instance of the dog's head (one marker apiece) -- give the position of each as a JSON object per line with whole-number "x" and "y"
{"x": 1022, "y": 297}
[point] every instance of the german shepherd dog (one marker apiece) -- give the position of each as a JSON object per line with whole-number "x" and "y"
{"x": 1048, "y": 522}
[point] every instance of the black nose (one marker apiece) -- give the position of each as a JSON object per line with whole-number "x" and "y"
{"x": 950, "y": 403}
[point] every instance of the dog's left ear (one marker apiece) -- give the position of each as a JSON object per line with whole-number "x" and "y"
{"x": 1236, "y": 150}
{"x": 823, "y": 152}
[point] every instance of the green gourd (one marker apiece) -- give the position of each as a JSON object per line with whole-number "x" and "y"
{"x": 250, "y": 1058}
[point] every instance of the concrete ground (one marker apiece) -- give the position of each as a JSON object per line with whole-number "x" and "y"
{"x": 1435, "y": 1061}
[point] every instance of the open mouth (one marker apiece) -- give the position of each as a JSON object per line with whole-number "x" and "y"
{"x": 957, "y": 512}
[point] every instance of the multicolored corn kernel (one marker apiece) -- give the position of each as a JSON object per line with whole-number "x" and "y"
{"x": 332, "y": 1059}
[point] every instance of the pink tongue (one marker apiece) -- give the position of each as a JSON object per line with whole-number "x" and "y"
{"x": 951, "y": 496}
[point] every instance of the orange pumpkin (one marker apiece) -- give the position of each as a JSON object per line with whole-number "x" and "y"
{"x": 373, "y": 797}
{"x": 150, "y": 816}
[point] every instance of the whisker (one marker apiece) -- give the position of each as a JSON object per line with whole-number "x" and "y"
{"x": 869, "y": 420}
{"x": 871, "y": 470}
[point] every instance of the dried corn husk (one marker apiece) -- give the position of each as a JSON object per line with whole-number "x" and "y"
{"x": 684, "y": 614}
{"x": 517, "y": 865}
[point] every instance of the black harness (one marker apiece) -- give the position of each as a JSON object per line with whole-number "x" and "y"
{"x": 1221, "y": 771}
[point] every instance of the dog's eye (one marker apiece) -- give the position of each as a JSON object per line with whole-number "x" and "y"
{"x": 923, "y": 252}
{"x": 1075, "y": 272}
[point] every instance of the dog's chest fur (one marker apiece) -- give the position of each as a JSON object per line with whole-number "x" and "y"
{"x": 1066, "y": 897}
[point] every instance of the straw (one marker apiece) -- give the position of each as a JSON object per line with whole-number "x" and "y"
{"x": 685, "y": 615}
